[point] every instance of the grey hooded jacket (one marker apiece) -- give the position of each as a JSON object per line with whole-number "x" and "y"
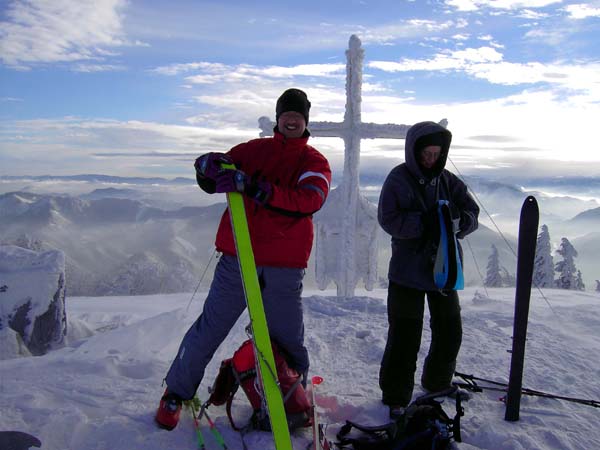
{"x": 407, "y": 194}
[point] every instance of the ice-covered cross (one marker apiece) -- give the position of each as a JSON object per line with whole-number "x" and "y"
{"x": 346, "y": 244}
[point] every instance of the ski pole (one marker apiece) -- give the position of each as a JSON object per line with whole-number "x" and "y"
{"x": 503, "y": 387}
{"x": 201, "y": 445}
{"x": 213, "y": 429}
{"x": 319, "y": 438}
{"x": 315, "y": 381}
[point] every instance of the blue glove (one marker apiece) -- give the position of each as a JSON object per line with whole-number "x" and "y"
{"x": 209, "y": 165}
{"x": 229, "y": 180}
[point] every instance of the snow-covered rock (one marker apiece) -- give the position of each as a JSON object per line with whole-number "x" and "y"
{"x": 32, "y": 298}
{"x": 11, "y": 344}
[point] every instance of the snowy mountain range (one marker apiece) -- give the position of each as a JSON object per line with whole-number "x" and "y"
{"x": 123, "y": 236}
{"x": 114, "y": 245}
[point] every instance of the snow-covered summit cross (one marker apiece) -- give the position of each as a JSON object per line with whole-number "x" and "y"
{"x": 346, "y": 252}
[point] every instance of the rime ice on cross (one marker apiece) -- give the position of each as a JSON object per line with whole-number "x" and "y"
{"x": 348, "y": 251}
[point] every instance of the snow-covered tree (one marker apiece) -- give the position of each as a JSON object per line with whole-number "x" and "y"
{"x": 567, "y": 272}
{"x": 543, "y": 266}
{"x": 597, "y": 285}
{"x": 493, "y": 276}
{"x": 508, "y": 279}
{"x": 579, "y": 284}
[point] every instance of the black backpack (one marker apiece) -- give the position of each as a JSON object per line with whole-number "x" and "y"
{"x": 423, "y": 426}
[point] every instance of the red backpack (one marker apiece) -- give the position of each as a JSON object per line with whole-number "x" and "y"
{"x": 241, "y": 370}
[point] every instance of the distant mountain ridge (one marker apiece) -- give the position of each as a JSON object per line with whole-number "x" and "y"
{"x": 41, "y": 209}
{"x": 111, "y": 193}
{"x": 97, "y": 178}
{"x": 590, "y": 214}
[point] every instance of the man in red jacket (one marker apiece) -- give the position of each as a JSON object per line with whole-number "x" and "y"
{"x": 284, "y": 181}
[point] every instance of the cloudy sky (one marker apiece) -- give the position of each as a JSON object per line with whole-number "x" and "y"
{"x": 140, "y": 88}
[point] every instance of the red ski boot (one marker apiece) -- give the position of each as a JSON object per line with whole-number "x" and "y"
{"x": 168, "y": 411}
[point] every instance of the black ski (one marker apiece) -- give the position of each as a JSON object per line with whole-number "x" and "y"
{"x": 18, "y": 440}
{"x": 528, "y": 227}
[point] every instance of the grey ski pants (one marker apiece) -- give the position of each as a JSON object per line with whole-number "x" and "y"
{"x": 281, "y": 293}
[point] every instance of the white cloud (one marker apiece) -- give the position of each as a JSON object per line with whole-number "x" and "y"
{"x": 463, "y": 5}
{"x": 336, "y": 35}
{"x": 89, "y": 68}
{"x": 517, "y": 4}
{"x": 209, "y": 79}
{"x": 176, "y": 69}
{"x": 573, "y": 77}
{"x": 97, "y": 134}
{"x": 461, "y": 37}
{"x": 477, "y": 55}
{"x": 223, "y": 102}
{"x": 487, "y": 63}
{"x": 74, "y": 145}
{"x": 555, "y": 36}
{"x": 475, "y": 5}
{"x": 213, "y": 73}
{"x": 530, "y": 134}
{"x": 320, "y": 70}
{"x": 490, "y": 41}
{"x": 531, "y": 120}
{"x": 448, "y": 60}
{"x": 582, "y": 11}
{"x": 529, "y": 14}
{"x": 60, "y": 31}
{"x": 235, "y": 27}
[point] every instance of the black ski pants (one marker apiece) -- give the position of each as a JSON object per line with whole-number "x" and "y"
{"x": 405, "y": 308}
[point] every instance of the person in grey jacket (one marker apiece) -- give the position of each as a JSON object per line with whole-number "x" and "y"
{"x": 408, "y": 212}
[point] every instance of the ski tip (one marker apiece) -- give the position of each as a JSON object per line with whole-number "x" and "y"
{"x": 18, "y": 440}
{"x": 316, "y": 379}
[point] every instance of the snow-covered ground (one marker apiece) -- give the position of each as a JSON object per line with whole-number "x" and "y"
{"x": 101, "y": 391}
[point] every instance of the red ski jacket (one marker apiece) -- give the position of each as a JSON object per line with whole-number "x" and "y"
{"x": 281, "y": 231}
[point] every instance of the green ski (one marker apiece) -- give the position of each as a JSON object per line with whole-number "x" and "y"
{"x": 258, "y": 320}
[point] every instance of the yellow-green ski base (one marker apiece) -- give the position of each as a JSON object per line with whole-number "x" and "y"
{"x": 260, "y": 331}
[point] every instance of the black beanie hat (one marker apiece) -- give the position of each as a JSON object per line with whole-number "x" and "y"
{"x": 430, "y": 139}
{"x": 293, "y": 100}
